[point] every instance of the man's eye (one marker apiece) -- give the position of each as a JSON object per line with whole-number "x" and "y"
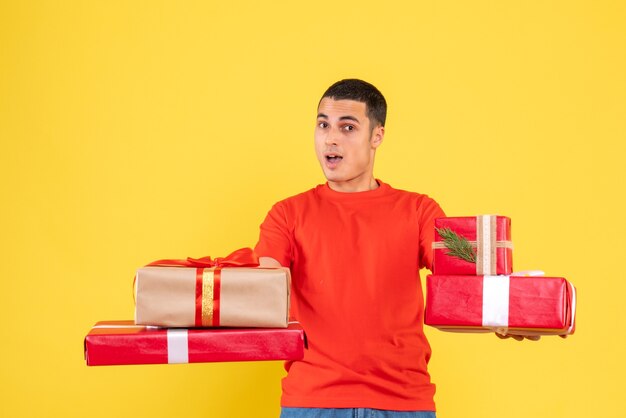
{"x": 348, "y": 128}
{"x": 322, "y": 124}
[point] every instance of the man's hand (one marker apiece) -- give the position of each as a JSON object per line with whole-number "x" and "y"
{"x": 523, "y": 337}
{"x": 519, "y": 337}
{"x": 268, "y": 262}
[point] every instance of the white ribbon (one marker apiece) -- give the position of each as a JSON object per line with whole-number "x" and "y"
{"x": 177, "y": 346}
{"x": 177, "y": 341}
{"x": 496, "y": 301}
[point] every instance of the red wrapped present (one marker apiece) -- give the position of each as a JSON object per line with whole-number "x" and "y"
{"x": 225, "y": 292}
{"x": 522, "y": 305}
{"x": 478, "y": 245}
{"x": 123, "y": 342}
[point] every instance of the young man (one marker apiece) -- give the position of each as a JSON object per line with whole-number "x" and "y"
{"x": 355, "y": 247}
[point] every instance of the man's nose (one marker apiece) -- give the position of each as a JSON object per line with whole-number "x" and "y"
{"x": 332, "y": 137}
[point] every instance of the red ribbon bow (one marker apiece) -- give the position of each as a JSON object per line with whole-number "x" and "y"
{"x": 243, "y": 257}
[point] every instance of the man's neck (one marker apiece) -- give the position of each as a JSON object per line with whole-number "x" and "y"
{"x": 348, "y": 187}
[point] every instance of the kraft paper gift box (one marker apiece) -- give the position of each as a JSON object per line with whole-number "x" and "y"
{"x": 226, "y": 297}
{"x": 522, "y": 305}
{"x": 124, "y": 343}
{"x": 225, "y": 292}
{"x": 475, "y": 245}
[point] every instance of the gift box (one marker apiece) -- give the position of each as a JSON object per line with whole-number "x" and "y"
{"x": 211, "y": 293}
{"x": 123, "y": 342}
{"x": 478, "y": 245}
{"x": 522, "y": 305}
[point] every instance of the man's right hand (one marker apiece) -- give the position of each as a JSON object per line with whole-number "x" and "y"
{"x": 268, "y": 262}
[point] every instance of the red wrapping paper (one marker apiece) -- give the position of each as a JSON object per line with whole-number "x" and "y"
{"x": 538, "y": 305}
{"x": 123, "y": 343}
{"x": 444, "y": 264}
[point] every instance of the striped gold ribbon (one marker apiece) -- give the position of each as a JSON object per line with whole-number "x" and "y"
{"x": 208, "y": 289}
{"x": 208, "y": 286}
{"x": 486, "y": 248}
{"x": 439, "y": 245}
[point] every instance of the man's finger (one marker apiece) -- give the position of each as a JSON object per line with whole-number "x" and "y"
{"x": 518, "y": 337}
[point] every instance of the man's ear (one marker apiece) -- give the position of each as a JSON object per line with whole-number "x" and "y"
{"x": 378, "y": 134}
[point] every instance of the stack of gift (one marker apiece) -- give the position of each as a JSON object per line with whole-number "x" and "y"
{"x": 473, "y": 287}
{"x": 202, "y": 310}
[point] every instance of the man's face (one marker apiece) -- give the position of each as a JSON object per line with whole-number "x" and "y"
{"x": 345, "y": 144}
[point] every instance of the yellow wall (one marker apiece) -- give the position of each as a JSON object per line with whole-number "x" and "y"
{"x": 133, "y": 131}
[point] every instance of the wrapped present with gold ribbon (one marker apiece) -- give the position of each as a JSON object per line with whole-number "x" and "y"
{"x": 473, "y": 245}
{"x": 223, "y": 292}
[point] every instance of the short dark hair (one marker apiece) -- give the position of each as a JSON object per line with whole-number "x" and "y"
{"x": 361, "y": 91}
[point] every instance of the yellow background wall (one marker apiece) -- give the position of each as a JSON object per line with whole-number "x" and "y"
{"x": 133, "y": 131}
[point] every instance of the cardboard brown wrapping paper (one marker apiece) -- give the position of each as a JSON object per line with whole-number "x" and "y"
{"x": 248, "y": 297}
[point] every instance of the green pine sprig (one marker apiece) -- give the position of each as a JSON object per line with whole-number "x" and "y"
{"x": 457, "y": 245}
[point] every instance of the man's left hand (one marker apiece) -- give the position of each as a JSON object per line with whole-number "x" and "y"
{"x": 519, "y": 337}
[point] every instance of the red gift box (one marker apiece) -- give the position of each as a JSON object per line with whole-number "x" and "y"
{"x": 523, "y": 305}
{"x": 123, "y": 342}
{"x": 485, "y": 239}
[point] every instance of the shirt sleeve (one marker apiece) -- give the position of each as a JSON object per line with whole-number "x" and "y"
{"x": 276, "y": 237}
{"x": 428, "y": 211}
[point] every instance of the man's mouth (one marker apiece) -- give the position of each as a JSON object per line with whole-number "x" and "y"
{"x": 333, "y": 158}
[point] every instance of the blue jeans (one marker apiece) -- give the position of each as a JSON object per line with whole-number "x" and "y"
{"x": 351, "y": 413}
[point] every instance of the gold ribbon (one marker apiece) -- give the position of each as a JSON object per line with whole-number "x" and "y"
{"x": 439, "y": 245}
{"x": 486, "y": 249}
{"x": 207, "y": 297}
